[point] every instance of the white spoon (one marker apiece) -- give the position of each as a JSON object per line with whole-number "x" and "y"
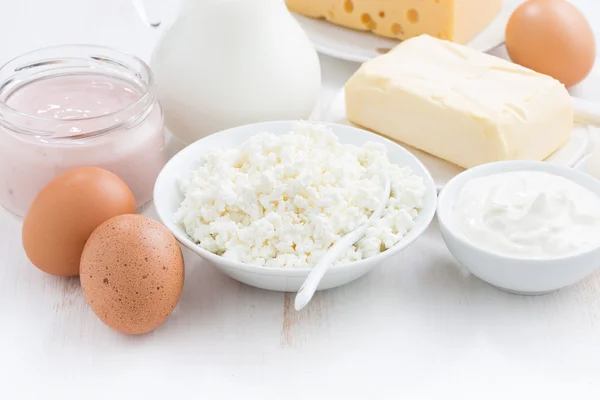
{"x": 308, "y": 288}
{"x": 586, "y": 111}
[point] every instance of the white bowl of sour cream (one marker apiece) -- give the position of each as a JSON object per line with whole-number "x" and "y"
{"x": 524, "y": 227}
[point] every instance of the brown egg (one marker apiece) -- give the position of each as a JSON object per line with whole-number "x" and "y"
{"x": 551, "y": 37}
{"x": 132, "y": 273}
{"x": 65, "y": 213}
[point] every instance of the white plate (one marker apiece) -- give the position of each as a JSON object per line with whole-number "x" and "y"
{"x": 352, "y": 45}
{"x": 583, "y": 164}
{"x": 442, "y": 171}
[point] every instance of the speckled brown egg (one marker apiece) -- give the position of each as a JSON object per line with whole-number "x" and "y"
{"x": 65, "y": 213}
{"x": 132, "y": 273}
{"x": 552, "y": 37}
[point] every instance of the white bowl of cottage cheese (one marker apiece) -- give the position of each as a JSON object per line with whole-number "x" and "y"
{"x": 264, "y": 202}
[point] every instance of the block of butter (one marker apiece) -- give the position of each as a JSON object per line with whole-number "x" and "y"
{"x": 460, "y": 105}
{"x": 455, "y": 20}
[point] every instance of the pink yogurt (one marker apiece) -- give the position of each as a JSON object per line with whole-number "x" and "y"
{"x": 64, "y": 121}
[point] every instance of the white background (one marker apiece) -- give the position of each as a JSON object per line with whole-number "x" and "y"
{"x": 420, "y": 326}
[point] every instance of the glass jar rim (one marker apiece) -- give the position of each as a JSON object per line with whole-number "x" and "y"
{"x": 146, "y": 91}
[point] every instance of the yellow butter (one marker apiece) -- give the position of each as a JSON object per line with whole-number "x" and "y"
{"x": 460, "y": 105}
{"x": 455, "y": 20}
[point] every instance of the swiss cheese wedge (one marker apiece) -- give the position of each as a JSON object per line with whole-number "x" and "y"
{"x": 455, "y": 20}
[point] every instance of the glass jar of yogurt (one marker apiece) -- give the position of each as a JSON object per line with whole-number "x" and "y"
{"x": 65, "y": 107}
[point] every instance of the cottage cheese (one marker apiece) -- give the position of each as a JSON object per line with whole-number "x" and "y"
{"x": 282, "y": 201}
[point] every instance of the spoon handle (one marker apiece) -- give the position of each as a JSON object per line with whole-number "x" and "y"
{"x": 311, "y": 283}
{"x": 308, "y": 288}
{"x": 586, "y": 112}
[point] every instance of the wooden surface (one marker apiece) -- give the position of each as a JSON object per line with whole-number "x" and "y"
{"x": 419, "y": 327}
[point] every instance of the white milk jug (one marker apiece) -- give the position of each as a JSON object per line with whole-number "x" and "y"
{"x": 225, "y": 63}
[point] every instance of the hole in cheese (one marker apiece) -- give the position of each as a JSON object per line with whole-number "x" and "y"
{"x": 413, "y": 16}
{"x": 381, "y": 14}
{"x": 348, "y": 6}
{"x": 397, "y": 30}
{"x": 368, "y": 21}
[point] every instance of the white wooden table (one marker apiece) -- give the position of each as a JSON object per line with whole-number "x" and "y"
{"x": 419, "y": 327}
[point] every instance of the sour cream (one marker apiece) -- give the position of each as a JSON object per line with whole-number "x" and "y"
{"x": 528, "y": 214}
